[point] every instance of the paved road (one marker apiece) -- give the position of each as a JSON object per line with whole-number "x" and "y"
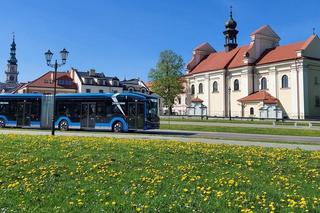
{"x": 184, "y": 136}
{"x": 238, "y": 136}
{"x": 199, "y": 123}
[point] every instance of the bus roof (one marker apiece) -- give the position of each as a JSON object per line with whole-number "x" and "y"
{"x": 22, "y": 95}
{"x": 97, "y": 95}
{"x": 78, "y": 95}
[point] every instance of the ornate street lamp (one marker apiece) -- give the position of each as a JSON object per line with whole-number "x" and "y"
{"x": 64, "y": 54}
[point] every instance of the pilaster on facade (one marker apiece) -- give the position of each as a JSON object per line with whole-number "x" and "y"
{"x": 272, "y": 82}
{"x": 207, "y": 92}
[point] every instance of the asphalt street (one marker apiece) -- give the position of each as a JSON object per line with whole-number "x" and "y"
{"x": 204, "y": 123}
{"x": 290, "y": 142}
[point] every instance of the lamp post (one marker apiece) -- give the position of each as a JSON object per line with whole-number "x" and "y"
{"x": 229, "y": 90}
{"x": 64, "y": 54}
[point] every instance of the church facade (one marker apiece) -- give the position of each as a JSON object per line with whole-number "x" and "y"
{"x": 262, "y": 79}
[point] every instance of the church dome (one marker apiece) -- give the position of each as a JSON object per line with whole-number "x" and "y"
{"x": 231, "y": 23}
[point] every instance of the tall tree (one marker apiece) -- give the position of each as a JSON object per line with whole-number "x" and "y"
{"x": 166, "y": 76}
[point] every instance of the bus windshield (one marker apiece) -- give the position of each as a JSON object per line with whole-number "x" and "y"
{"x": 152, "y": 113}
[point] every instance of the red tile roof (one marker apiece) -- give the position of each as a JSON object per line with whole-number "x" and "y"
{"x": 262, "y": 95}
{"x": 235, "y": 58}
{"x": 215, "y": 61}
{"x": 238, "y": 59}
{"x": 308, "y": 41}
{"x": 46, "y": 81}
{"x": 280, "y": 53}
{"x": 204, "y": 46}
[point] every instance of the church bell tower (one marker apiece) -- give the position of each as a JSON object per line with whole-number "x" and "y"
{"x": 12, "y": 71}
{"x": 230, "y": 33}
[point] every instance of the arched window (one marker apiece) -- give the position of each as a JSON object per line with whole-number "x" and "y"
{"x": 236, "y": 85}
{"x": 284, "y": 81}
{"x": 200, "y": 88}
{"x": 264, "y": 83}
{"x": 251, "y": 111}
{"x": 215, "y": 87}
{"x": 192, "y": 89}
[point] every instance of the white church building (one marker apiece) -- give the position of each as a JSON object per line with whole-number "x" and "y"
{"x": 262, "y": 79}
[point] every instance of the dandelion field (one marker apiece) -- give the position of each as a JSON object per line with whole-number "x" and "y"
{"x": 87, "y": 174}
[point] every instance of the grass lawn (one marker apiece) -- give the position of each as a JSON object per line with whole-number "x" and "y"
{"x": 251, "y": 130}
{"x": 82, "y": 174}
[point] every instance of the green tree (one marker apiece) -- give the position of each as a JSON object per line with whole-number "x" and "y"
{"x": 166, "y": 77}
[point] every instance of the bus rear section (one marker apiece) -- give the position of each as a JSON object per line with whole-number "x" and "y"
{"x": 20, "y": 110}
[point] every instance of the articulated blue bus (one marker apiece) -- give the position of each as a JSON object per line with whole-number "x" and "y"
{"x": 118, "y": 112}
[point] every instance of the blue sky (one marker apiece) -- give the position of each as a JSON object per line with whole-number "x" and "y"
{"x": 123, "y": 38}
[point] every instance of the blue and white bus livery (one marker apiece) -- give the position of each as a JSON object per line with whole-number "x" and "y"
{"x": 120, "y": 112}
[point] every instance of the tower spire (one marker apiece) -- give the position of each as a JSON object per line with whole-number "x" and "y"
{"x": 230, "y": 33}
{"x": 12, "y": 72}
{"x": 13, "y": 59}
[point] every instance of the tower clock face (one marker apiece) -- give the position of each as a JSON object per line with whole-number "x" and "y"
{"x": 11, "y": 78}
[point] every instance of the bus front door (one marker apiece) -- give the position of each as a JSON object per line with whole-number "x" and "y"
{"x": 23, "y": 114}
{"x": 136, "y": 115}
{"x": 88, "y": 116}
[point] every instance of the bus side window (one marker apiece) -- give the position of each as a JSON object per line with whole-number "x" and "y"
{"x": 101, "y": 112}
{"x": 132, "y": 109}
{"x": 109, "y": 107}
{"x": 3, "y": 109}
{"x": 35, "y": 111}
{"x": 116, "y": 110}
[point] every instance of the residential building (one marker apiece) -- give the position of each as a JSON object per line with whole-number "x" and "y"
{"x": 94, "y": 82}
{"x": 45, "y": 84}
{"x": 262, "y": 76}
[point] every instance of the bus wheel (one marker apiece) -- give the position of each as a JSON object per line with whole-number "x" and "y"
{"x": 2, "y": 123}
{"x": 64, "y": 125}
{"x": 117, "y": 127}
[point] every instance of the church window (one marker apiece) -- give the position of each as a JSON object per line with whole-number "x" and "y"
{"x": 215, "y": 87}
{"x": 264, "y": 83}
{"x": 284, "y": 81}
{"x": 192, "y": 89}
{"x": 251, "y": 111}
{"x": 200, "y": 88}
{"x": 316, "y": 81}
{"x": 236, "y": 85}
